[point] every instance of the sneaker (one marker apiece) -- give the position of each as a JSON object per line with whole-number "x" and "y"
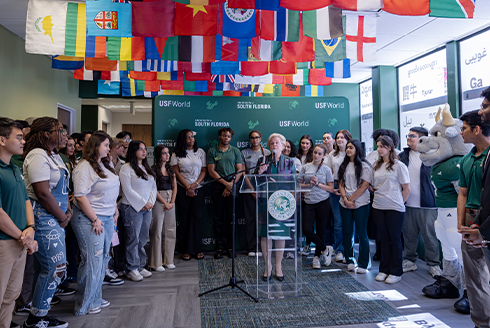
{"x": 409, "y": 266}
{"x": 55, "y": 300}
{"x": 306, "y": 250}
{"x": 159, "y": 269}
{"x": 327, "y": 257}
{"x": 251, "y": 254}
{"x": 344, "y": 261}
{"x": 351, "y": 267}
{"x": 316, "y": 263}
{"x": 145, "y": 273}
{"x": 339, "y": 257}
{"x": 289, "y": 255}
{"x": 362, "y": 270}
{"x": 23, "y": 310}
{"x": 14, "y": 325}
{"x": 64, "y": 291}
{"x": 219, "y": 254}
{"x": 134, "y": 275}
{"x": 121, "y": 274}
{"x": 331, "y": 250}
{"x": 381, "y": 276}
{"x": 95, "y": 310}
{"x": 46, "y": 322}
{"x": 105, "y": 303}
{"x": 170, "y": 266}
{"x": 108, "y": 280}
{"x": 259, "y": 254}
{"x": 392, "y": 279}
{"x": 111, "y": 273}
{"x": 72, "y": 279}
{"x": 435, "y": 270}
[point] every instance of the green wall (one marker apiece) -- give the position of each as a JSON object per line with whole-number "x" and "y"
{"x": 28, "y": 84}
{"x": 385, "y": 98}
{"x": 351, "y": 92}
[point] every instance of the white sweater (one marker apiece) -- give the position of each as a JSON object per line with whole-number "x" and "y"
{"x": 137, "y": 191}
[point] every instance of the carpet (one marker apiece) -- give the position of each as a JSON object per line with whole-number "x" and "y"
{"x": 325, "y": 302}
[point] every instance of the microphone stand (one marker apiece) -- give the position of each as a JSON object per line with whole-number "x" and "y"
{"x": 233, "y": 282}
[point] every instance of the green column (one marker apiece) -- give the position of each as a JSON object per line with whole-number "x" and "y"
{"x": 90, "y": 118}
{"x": 351, "y": 92}
{"x": 453, "y": 88}
{"x": 385, "y": 98}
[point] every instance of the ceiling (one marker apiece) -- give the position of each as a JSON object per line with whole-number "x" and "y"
{"x": 399, "y": 39}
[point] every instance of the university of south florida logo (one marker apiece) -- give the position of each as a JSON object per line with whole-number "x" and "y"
{"x": 211, "y": 105}
{"x": 237, "y": 14}
{"x": 172, "y": 123}
{"x": 106, "y": 20}
{"x": 252, "y": 125}
{"x": 281, "y": 205}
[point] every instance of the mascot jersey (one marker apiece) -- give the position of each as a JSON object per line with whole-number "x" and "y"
{"x": 444, "y": 176}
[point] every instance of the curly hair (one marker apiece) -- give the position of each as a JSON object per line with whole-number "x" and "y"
{"x": 294, "y": 151}
{"x": 91, "y": 153}
{"x": 36, "y": 138}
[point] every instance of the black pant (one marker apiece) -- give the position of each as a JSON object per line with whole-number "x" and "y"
{"x": 119, "y": 251}
{"x": 389, "y": 224}
{"x": 71, "y": 251}
{"x": 223, "y": 215}
{"x": 250, "y": 206}
{"x": 189, "y": 230}
{"x": 316, "y": 212}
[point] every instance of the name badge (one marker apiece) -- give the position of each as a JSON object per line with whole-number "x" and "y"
{"x": 217, "y": 158}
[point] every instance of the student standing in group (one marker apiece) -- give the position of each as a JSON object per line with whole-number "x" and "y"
{"x": 250, "y": 157}
{"x": 305, "y": 155}
{"x": 16, "y": 220}
{"x": 95, "y": 212}
{"x": 291, "y": 152}
{"x": 223, "y": 160}
{"x": 46, "y": 178}
{"x": 163, "y": 229}
{"x": 335, "y": 159}
{"x": 317, "y": 203}
{"x": 329, "y": 141}
{"x": 189, "y": 163}
{"x": 355, "y": 176}
{"x": 139, "y": 195}
{"x": 117, "y": 150}
{"x": 391, "y": 184}
{"x": 125, "y": 137}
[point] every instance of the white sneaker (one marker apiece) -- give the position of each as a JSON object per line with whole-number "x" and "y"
{"x": 160, "y": 269}
{"x": 134, "y": 275}
{"x": 327, "y": 257}
{"x": 393, "y": 279}
{"x": 251, "y": 254}
{"x": 339, "y": 257}
{"x": 94, "y": 310}
{"x": 362, "y": 270}
{"x": 409, "y": 266}
{"x": 111, "y": 274}
{"x": 170, "y": 266}
{"x": 306, "y": 250}
{"x": 316, "y": 263}
{"x": 105, "y": 303}
{"x": 259, "y": 254}
{"x": 435, "y": 271}
{"x": 344, "y": 261}
{"x": 351, "y": 267}
{"x": 145, "y": 273}
{"x": 381, "y": 276}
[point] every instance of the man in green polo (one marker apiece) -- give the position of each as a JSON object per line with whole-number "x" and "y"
{"x": 16, "y": 219}
{"x": 223, "y": 160}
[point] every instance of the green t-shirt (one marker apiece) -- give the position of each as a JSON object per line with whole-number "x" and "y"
{"x": 18, "y": 161}
{"x": 444, "y": 176}
{"x": 470, "y": 176}
{"x": 224, "y": 162}
{"x": 13, "y": 196}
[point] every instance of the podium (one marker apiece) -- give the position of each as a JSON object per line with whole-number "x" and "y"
{"x": 278, "y": 220}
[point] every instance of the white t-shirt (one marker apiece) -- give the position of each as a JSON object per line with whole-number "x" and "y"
{"x": 38, "y": 166}
{"x": 101, "y": 193}
{"x": 190, "y": 166}
{"x": 334, "y": 162}
{"x": 351, "y": 183}
{"x": 303, "y": 160}
{"x": 297, "y": 164}
{"x": 414, "y": 165}
{"x": 137, "y": 191}
{"x": 324, "y": 174}
{"x": 388, "y": 189}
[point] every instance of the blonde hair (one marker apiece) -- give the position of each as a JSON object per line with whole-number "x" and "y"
{"x": 276, "y": 135}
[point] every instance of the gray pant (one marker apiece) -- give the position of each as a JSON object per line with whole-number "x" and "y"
{"x": 420, "y": 220}
{"x": 137, "y": 226}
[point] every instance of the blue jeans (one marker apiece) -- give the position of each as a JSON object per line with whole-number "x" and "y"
{"x": 94, "y": 256}
{"x": 359, "y": 218}
{"x": 338, "y": 235}
{"x": 137, "y": 226}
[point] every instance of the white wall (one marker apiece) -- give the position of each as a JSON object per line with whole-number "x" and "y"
{"x": 105, "y": 116}
{"x": 118, "y": 119}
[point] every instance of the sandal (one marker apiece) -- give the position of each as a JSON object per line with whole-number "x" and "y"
{"x": 186, "y": 257}
{"x": 200, "y": 256}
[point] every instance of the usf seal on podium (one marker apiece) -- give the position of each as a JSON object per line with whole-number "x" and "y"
{"x": 281, "y": 205}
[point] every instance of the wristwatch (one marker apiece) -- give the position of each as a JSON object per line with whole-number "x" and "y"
{"x": 33, "y": 226}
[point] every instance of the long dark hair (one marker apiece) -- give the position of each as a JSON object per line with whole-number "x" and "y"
{"x": 294, "y": 151}
{"x": 388, "y": 143}
{"x": 158, "y": 164}
{"x": 133, "y": 160}
{"x": 91, "y": 153}
{"x": 358, "y": 159}
{"x": 36, "y": 138}
{"x": 181, "y": 145}
{"x": 309, "y": 154}
{"x": 347, "y": 137}
{"x": 72, "y": 158}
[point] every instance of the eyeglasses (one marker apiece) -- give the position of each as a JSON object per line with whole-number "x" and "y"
{"x": 62, "y": 131}
{"x": 411, "y": 136}
{"x": 126, "y": 140}
{"x": 252, "y": 138}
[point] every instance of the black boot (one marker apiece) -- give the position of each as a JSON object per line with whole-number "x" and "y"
{"x": 442, "y": 288}
{"x": 463, "y": 304}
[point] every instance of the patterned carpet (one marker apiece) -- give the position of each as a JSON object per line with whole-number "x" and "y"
{"x": 325, "y": 301}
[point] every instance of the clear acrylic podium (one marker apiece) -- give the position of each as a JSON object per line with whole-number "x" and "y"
{"x": 278, "y": 219}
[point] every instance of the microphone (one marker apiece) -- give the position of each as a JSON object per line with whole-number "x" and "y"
{"x": 274, "y": 157}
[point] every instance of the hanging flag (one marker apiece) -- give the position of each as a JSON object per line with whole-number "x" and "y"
{"x": 301, "y": 51}
{"x": 154, "y": 47}
{"x": 229, "y": 49}
{"x": 254, "y": 4}
{"x": 282, "y": 68}
{"x": 95, "y": 46}
{"x": 266, "y": 50}
{"x": 360, "y": 37}
{"x": 452, "y": 8}
{"x": 225, "y": 67}
{"x": 200, "y": 2}
{"x": 195, "y": 20}
{"x": 108, "y": 87}
{"x": 45, "y": 27}
{"x": 407, "y": 7}
{"x": 280, "y": 25}
{"x": 339, "y": 69}
{"x": 100, "y": 64}
{"x": 330, "y": 50}
{"x": 254, "y": 68}
{"x": 272, "y": 90}
{"x": 173, "y": 92}
{"x": 291, "y": 90}
{"x": 177, "y": 84}
{"x": 313, "y": 91}
{"x": 192, "y": 67}
{"x": 318, "y": 76}
{"x": 270, "y": 79}
{"x": 305, "y": 4}
{"x": 83, "y": 74}
{"x": 76, "y": 25}
{"x": 197, "y": 76}
{"x": 237, "y": 23}
{"x": 128, "y": 88}
{"x": 145, "y": 76}
{"x": 359, "y": 5}
{"x": 154, "y": 65}
{"x": 152, "y": 86}
{"x": 300, "y": 78}
{"x": 222, "y": 78}
{"x": 108, "y": 19}
{"x": 126, "y": 48}
{"x": 196, "y": 48}
{"x": 66, "y": 62}
{"x": 242, "y": 79}
{"x": 153, "y": 18}
{"x": 196, "y": 86}
{"x": 171, "y": 49}
{"x": 324, "y": 23}
{"x": 151, "y": 94}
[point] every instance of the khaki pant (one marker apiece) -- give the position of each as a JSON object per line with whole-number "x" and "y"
{"x": 12, "y": 264}
{"x": 162, "y": 233}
